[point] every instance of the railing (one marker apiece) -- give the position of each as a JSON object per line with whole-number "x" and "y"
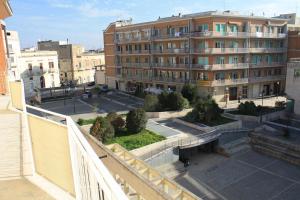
{"x": 268, "y": 35}
{"x": 91, "y": 180}
{"x": 178, "y": 35}
{"x": 200, "y": 66}
{"x": 170, "y": 79}
{"x": 266, "y": 78}
{"x": 264, "y": 64}
{"x": 132, "y": 39}
{"x": 172, "y": 50}
{"x": 220, "y": 50}
{"x": 133, "y": 52}
{"x": 230, "y": 66}
{"x": 267, "y": 50}
{"x": 220, "y": 34}
{"x": 229, "y": 82}
{"x": 170, "y": 65}
{"x": 136, "y": 64}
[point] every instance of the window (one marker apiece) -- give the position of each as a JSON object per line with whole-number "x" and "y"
{"x": 220, "y": 60}
{"x": 233, "y": 60}
{"x": 221, "y": 28}
{"x": 258, "y": 28}
{"x": 220, "y": 76}
{"x": 203, "y": 60}
{"x": 296, "y": 73}
{"x": 41, "y": 66}
{"x": 51, "y": 64}
{"x": 220, "y": 44}
{"x": 10, "y": 48}
{"x": 245, "y": 92}
{"x": 233, "y": 28}
{"x": 184, "y": 29}
{"x": 203, "y": 45}
{"x": 30, "y": 67}
{"x": 233, "y": 44}
{"x": 270, "y": 29}
{"x": 203, "y": 27}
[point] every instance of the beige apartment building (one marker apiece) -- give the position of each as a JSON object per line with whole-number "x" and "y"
{"x": 75, "y": 64}
{"x": 225, "y": 54}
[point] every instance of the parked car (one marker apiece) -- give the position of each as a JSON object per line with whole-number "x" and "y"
{"x": 87, "y": 94}
{"x": 91, "y": 83}
{"x": 104, "y": 89}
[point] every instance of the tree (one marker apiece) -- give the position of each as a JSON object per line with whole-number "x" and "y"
{"x": 102, "y": 129}
{"x": 248, "y": 108}
{"x": 176, "y": 101}
{"x": 111, "y": 116}
{"x": 136, "y": 120}
{"x": 118, "y": 123}
{"x": 189, "y": 92}
{"x": 163, "y": 99}
{"x": 151, "y": 103}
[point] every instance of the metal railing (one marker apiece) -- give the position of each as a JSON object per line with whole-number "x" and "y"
{"x": 170, "y": 65}
{"x": 266, "y": 78}
{"x": 223, "y": 82}
{"x": 219, "y": 50}
{"x": 267, "y": 50}
{"x": 264, "y": 64}
{"x": 229, "y": 66}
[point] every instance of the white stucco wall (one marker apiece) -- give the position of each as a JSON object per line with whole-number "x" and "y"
{"x": 293, "y": 84}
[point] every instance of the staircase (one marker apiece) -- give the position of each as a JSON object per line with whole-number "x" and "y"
{"x": 275, "y": 147}
{"x": 10, "y": 142}
{"x": 234, "y": 147}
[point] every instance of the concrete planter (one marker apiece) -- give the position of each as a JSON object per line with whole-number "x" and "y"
{"x": 168, "y": 114}
{"x": 204, "y": 128}
{"x": 267, "y": 117}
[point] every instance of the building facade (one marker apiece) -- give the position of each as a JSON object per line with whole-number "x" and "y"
{"x": 75, "y": 64}
{"x": 39, "y": 69}
{"x": 293, "y": 82}
{"x": 14, "y": 50}
{"x": 5, "y": 11}
{"x": 225, "y": 54}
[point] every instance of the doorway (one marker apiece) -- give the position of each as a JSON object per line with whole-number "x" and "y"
{"x": 267, "y": 90}
{"x": 233, "y": 93}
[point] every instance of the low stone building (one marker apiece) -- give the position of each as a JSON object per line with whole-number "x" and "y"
{"x": 293, "y": 82}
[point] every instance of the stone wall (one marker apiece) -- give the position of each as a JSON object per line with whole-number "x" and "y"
{"x": 168, "y": 114}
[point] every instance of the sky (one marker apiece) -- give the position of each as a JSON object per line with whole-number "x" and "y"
{"x": 83, "y": 21}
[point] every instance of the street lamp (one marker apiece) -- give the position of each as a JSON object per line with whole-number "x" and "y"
{"x": 226, "y": 95}
{"x": 277, "y": 89}
{"x": 262, "y": 104}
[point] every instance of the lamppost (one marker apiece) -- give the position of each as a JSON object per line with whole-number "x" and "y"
{"x": 226, "y": 95}
{"x": 277, "y": 90}
{"x": 262, "y": 104}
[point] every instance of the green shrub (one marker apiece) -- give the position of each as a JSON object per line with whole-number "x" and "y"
{"x": 118, "y": 123}
{"x": 151, "y": 103}
{"x": 136, "y": 120}
{"x": 95, "y": 90}
{"x": 82, "y": 122}
{"x": 102, "y": 129}
{"x": 176, "y": 101}
{"x": 247, "y": 108}
{"x": 163, "y": 99}
{"x": 111, "y": 116}
{"x": 189, "y": 92}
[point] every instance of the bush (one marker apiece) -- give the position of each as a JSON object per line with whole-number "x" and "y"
{"x": 189, "y": 92}
{"x": 118, "y": 123}
{"x": 176, "y": 101}
{"x": 205, "y": 110}
{"x": 102, "y": 129}
{"x": 163, "y": 99}
{"x": 85, "y": 121}
{"x": 111, "y": 116}
{"x": 151, "y": 103}
{"x": 136, "y": 120}
{"x": 247, "y": 108}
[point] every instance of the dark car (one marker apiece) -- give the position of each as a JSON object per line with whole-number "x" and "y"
{"x": 104, "y": 89}
{"x": 87, "y": 94}
{"x": 91, "y": 83}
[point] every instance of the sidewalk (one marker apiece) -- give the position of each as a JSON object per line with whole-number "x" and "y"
{"x": 267, "y": 101}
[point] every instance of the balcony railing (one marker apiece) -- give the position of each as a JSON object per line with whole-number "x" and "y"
{"x": 266, "y": 78}
{"x": 133, "y": 52}
{"x": 170, "y": 65}
{"x": 63, "y": 161}
{"x": 264, "y": 64}
{"x": 220, "y": 34}
{"x": 177, "y": 35}
{"x": 229, "y": 82}
{"x": 170, "y": 79}
{"x": 200, "y": 66}
{"x": 219, "y": 50}
{"x": 268, "y": 35}
{"x": 136, "y": 64}
{"x": 133, "y": 39}
{"x": 168, "y": 51}
{"x": 267, "y": 50}
{"x": 230, "y": 66}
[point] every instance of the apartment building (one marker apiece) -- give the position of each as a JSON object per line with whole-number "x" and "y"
{"x": 293, "y": 82}
{"x": 75, "y": 64}
{"x": 39, "y": 69}
{"x": 5, "y": 11}
{"x": 14, "y": 50}
{"x": 227, "y": 55}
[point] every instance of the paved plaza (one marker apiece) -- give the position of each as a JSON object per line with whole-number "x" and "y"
{"x": 245, "y": 176}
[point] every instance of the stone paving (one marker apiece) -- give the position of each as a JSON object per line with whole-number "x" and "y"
{"x": 245, "y": 176}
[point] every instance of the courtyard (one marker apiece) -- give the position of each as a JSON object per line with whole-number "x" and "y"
{"x": 247, "y": 176}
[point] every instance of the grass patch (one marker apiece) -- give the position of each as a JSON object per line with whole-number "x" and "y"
{"x": 82, "y": 122}
{"x": 134, "y": 141}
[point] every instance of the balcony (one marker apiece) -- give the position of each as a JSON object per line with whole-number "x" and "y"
{"x": 141, "y": 65}
{"x": 213, "y": 34}
{"x": 220, "y": 50}
{"x": 133, "y": 52}
{"x": 171, "y": 51}
{"x": 266, "y": 78}
{"x": 170, "y": 79}
{"x": 230, "y": 66}
{"x": 264, "y": 64}
{"x": 268, "y": 35}
{"x": 226, "y": 82}
{"x": 200, "y": 66}
{"x": 133, "y": 39}
{"x": 176, "y": 36}
{"x": 170, "y": 65}
{"x": 267, "y": 50}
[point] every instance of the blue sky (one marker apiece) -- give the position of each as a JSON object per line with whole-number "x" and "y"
{"x": 82, "y": 21}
